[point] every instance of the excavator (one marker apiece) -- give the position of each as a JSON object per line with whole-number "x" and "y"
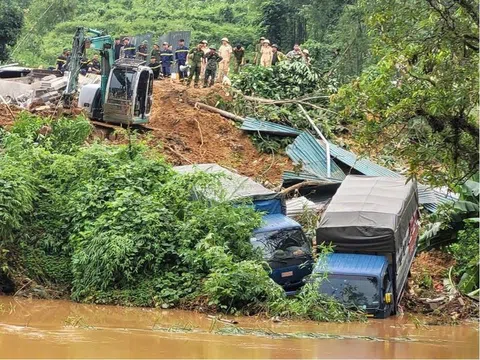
{"x": 125, "y": 93}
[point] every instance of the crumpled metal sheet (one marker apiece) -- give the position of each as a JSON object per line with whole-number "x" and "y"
{"x": 311, "y": 156}
{"x": 254, "y": 125}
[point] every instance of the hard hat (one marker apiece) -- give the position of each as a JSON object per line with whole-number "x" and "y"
{"x": 275, "y": 46}
{"x": 204, "y": 42}
{"x": 66, "y": 49}
{"x": 212, "y": 47}
{"x": 184, "y": 67}
{"x": 305, "y": 51}
{"x": 144, "y": 42}
{"x": 165, "y": 43}
{"x": 225, "y": 39}
{"x": 262, "y": 38}
{"x": 266, "y": 41}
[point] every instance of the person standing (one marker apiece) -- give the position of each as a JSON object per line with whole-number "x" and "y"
{"x": 258, "y": 54}
{"x": 225, "y": 52}
{"x": 155, "y": 66}
{"x": 206, "y": 50}
{"x": 277, "y": 56}
{"x": 296, "y": 54}
{"x": 156, "y": 52}
{"x": 196, "y": 57}
{"x": 213, "y": 59}
{"x": 267, "y": 54}
{"x": 166, "y": 59}
{"x": 128, "y": 50}
{"x": 239, "y": 53}
{"x": 142, "y": 51}
{"x": 181, "y": 57}
{"x": 306, "y": 57}
{"x": 117, "y": 48}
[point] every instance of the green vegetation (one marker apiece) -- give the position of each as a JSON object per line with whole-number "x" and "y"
{"x": 115, "y": 224}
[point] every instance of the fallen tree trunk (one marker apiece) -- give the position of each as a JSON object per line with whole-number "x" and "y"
{"x": 278, "y": 102}
{"x": 224, "y": 113}
{"x": 303, "y": 184}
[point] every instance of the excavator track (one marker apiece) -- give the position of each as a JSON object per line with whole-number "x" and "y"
{"x": 113, "y": 127}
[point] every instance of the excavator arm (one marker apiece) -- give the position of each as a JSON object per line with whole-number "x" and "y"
{"x": 101, "y": 42}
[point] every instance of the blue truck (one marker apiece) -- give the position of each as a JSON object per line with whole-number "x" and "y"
{"x": 281, "y": 239}
{"x": 373, "y": 225}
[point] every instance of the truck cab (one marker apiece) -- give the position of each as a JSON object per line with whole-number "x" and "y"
{"x": 286, "y": 249}
{"x": 358, "y": 281}
{"x": 280, "y": 239}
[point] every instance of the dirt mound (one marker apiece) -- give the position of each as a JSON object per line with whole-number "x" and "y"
{"x": 191, "y": 135}
{"x": 430, "y": 295}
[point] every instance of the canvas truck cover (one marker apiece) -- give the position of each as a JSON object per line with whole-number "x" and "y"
{"x": 369, "y": 214}
{"x": 237, "y": 187}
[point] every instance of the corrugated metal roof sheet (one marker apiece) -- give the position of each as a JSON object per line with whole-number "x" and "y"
{"x": 297, "y": 206}
{"x": 365, "y": 166}
{"x": 251, "y": 124}
{"x": 308, "y": 153}
{"x": 235, "y": 185}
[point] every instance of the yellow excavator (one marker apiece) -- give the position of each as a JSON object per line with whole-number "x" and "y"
{"x": 125, "y": 93}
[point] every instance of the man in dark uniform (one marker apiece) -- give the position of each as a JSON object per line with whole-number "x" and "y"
{"x": 62, "y": 60}
{"x": 212, "y": 64}
{"x": 95, "y": 65}
{"x": 196, "y": 57}
{"x": 84, "y": 65}
{"x": 156, "y": 52}
{"x": 142, "y": 51}
{"x": 239, "y": 53}
{"x": 166, "y": 59}
{"x": 181, "y": 57}
{"x": 155, "y": 66}
{"x": 128, "y": 50}
{"x": 118, "y": 47}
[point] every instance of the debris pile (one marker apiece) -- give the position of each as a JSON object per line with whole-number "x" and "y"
{"x": 39, "y": 90}
{"x": 432, "y": 292}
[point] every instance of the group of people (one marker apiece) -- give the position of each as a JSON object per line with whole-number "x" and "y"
{"x": 204, "y": 61}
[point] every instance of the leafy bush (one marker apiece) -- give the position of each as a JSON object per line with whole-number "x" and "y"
{"x": 466, "y": 254}
{"x": 287, "y": 80}
{"x": 116, "y": 224}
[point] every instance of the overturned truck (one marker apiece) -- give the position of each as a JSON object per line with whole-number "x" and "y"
{"x": 373, "y": 224}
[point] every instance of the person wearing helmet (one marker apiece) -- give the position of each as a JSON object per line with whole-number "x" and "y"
{"x": 225, "y": 52}
{"x": 258, "y": 54}
{"x": 212, "y": 60}
{"x": 267, "y": 54}
{"x": 306, "y": 57}
{"x": 142, "y": 51}
{"x": 277, "y": 56}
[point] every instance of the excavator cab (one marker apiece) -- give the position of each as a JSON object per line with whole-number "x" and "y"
{"x": 128, "y": 99}
{"x": 128, "y": 96}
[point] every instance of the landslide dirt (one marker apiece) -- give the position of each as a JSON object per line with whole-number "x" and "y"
{"x": 191, "y": 135}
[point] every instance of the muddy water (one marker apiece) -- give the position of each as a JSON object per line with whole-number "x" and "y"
{"x": 62, "y": 329}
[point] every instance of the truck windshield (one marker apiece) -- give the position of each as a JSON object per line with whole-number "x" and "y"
{"x": 283, "y": 247}
{"x": 353, "y": 291}
{"x": 121, "y": 84}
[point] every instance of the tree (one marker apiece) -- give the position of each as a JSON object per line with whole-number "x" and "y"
{"x": 11, "y": 21}
{"x": 422, "y": 95}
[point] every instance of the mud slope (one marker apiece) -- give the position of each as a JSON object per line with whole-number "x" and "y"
{"x": 191, "y": 135}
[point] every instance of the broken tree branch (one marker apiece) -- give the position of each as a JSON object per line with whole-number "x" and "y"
{"x": 8, "y": 107}
{"x": 200, "y": 131}
{"x": 224, "y": 113}
{"x": 287, "y": 101}
{"x": 303, "y": 184}
{"x": 178, "y": 154}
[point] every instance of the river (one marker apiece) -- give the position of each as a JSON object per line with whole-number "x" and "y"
{"x": 63, "y": 329}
